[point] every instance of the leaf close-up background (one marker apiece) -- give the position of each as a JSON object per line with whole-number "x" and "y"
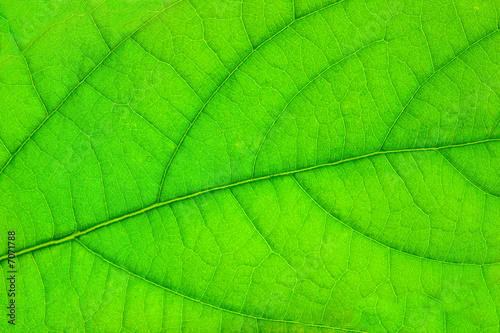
{"x": 250, "y": 166}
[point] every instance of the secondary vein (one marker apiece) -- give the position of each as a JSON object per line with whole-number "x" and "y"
{"x": 49, "y": 115}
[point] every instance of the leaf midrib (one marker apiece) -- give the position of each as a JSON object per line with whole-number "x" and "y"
{"x": 254, "y": 180}
{"x": 222, "y": 84}
{"x": 288, "y": 173}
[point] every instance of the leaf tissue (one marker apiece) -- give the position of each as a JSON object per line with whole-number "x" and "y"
{"x": 250, "y": 166}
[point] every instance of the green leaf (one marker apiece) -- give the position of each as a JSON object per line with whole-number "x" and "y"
{"x": 253, "y": 166}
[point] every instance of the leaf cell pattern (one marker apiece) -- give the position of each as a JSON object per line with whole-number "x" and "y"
{"x": 251, "y": 166}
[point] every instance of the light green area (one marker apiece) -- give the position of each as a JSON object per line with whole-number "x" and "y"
{"x": 251, "y": 166}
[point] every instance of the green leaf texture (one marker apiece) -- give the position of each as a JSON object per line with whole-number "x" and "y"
{"x": 251, "y": 165}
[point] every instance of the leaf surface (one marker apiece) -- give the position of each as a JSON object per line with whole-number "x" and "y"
{"x": 254, "y": 166}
